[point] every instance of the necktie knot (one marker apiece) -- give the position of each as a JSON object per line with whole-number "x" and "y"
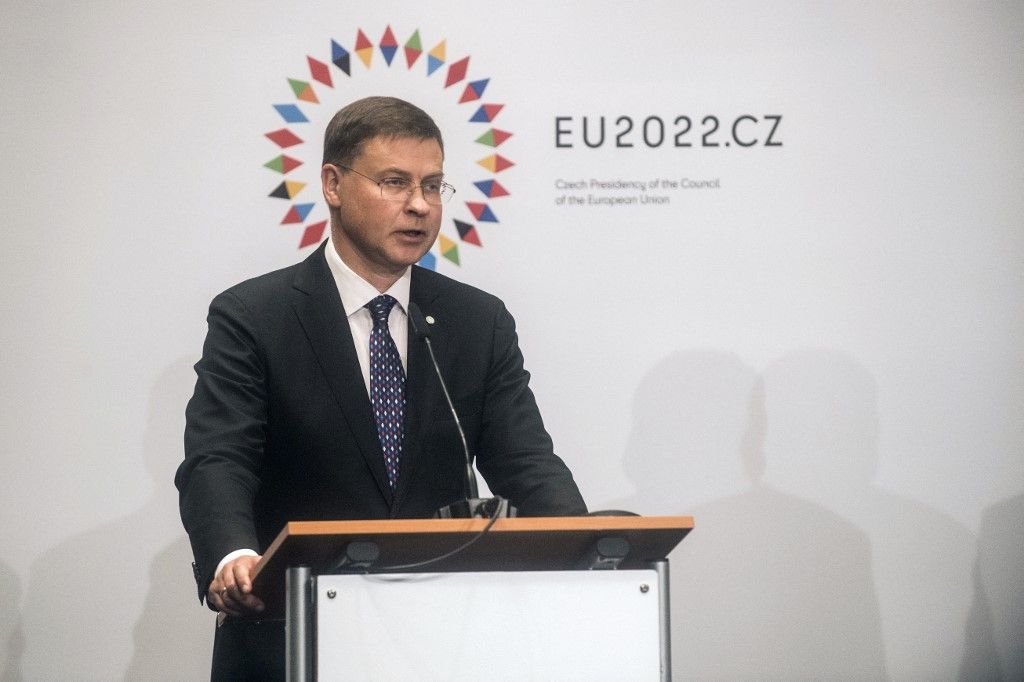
{"x": 380, "y": 308}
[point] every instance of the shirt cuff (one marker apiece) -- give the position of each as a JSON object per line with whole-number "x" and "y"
{"x": 232, "y": 555}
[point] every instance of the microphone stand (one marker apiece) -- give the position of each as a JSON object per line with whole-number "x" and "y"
{"x": 471, "y": 506}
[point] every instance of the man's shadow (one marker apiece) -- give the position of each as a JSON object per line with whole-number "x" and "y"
{"x": 768, "y": 585}
{"x": 85, "y": 593}
{"x": 11, "y": 638}
{"x": 994, "y": 637}
{"x": 823, "y": 440}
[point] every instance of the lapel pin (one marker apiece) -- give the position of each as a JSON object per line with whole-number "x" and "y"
{"x": 430, "y": 319}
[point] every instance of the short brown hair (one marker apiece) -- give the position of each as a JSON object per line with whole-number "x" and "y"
{"x": 372, "y": 117}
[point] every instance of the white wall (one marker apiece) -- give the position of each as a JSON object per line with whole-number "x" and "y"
{"x": 820, "y": 360}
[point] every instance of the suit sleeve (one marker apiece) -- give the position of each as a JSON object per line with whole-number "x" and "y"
{"x": 516, "y": 456}
{"x": 225, "y": 430}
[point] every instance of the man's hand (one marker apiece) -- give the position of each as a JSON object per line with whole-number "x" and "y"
{"x": 231, "y": 589}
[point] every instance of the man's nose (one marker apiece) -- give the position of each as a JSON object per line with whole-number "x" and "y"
{"x": 417, "y": 202}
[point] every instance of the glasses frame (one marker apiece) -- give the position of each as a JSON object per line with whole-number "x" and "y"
{"x": 445, "y": 194}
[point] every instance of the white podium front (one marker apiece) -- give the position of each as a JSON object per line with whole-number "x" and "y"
{"x": 507, "y": 598}
{"x": 522, "y": 625}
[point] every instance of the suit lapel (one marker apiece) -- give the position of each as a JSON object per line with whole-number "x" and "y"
{"x": 421, "y": 390}
{"x": 323, "y": 318}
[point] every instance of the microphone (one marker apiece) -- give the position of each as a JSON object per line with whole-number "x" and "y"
{"x": 471, "y": 506}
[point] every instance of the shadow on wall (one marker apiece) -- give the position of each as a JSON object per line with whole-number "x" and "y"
{"x": 86, "y": 593}
{"x": 822, "y": 442}
{"x": 994, "y": 647}
{"x": 173, "y": 632}
{"x": 11, "y": 637}
{"x": 768, "y": 586}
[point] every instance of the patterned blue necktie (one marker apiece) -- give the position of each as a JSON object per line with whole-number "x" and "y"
{"x": 387, "y": 385}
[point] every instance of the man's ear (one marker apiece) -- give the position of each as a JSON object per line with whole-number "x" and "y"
{"x": 330, "y": 179}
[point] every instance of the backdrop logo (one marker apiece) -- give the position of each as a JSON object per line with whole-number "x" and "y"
{"x": 331, "y": 83}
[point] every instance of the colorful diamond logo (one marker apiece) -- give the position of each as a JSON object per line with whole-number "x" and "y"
{"x": 456, "y": 72}
{"x": 493, "y": 137}
{"x": 491, "y": 188}
{"x": 469, "y": 226}
{"x": 467, "y": 232}
{"x": 282, "y": 164}
{"x": 364, "y": 49}
{"x": 287, "y": 189}
{"x": 313, "y": 234}
{"x": 319, "y": 71}
{"x": 388, "y": 45}
{"x": 303, "y": 91}
{"x": 486, "y": 113}
{"x": 413, "y": 49}
{"x": 448, "y": 248}
{"x": 429, "y": 261}
{"x": 436, "y": 57}
{"x": 481, "y": 212}
{"x": 291, "y": 113}
{"x": 495, "y": 163}
{"x": 341, "y": 58}
{"x": 297, "y": 214}
{"x": 474, "y": 90}
{"x": 284, "y": 138}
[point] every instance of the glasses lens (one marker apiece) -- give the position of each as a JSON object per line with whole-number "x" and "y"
{"x": 434, "y": 193}
{"x": 395, "y": 188}
{"x": 431, "y": 192}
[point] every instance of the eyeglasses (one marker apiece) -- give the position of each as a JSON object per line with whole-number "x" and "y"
{"x": 394, "y": 188}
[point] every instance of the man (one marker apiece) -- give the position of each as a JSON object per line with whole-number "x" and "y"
{"x": 313, "y": 402}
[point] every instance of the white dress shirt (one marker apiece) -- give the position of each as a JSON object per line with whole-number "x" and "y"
{"x": 355, "y": 293}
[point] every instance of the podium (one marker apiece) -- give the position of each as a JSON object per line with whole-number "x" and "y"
{"x": 513, "y": 598}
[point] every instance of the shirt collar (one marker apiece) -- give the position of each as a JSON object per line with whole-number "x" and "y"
{"x": 355, "y": 291}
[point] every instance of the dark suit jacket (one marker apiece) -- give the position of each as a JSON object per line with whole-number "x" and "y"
{"x": 280, "y": 427}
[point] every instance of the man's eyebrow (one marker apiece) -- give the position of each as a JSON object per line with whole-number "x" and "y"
{"x": 395, "y": 170}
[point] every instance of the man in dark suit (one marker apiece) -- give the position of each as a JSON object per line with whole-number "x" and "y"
{"x": 313, "y": 402}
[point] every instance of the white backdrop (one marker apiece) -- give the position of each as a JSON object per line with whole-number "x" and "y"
{"x": 819, "y": 356}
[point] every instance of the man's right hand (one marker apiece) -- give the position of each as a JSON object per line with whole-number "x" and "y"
{"x": 231, "y": 589}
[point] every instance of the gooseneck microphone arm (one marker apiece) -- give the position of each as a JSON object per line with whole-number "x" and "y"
{"x": 422, "y": 332}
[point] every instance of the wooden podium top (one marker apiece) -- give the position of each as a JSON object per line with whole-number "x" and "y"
{"x": 515, "y": 544}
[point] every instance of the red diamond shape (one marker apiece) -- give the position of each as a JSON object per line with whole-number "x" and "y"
{"x": 320, "y": 72}
{"x": 313, "y": 234}
{"x": 284, "y": 138}
{"x": 457, "y": 71}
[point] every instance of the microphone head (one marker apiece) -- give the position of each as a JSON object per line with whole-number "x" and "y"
{"x": 418, "y": 323}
